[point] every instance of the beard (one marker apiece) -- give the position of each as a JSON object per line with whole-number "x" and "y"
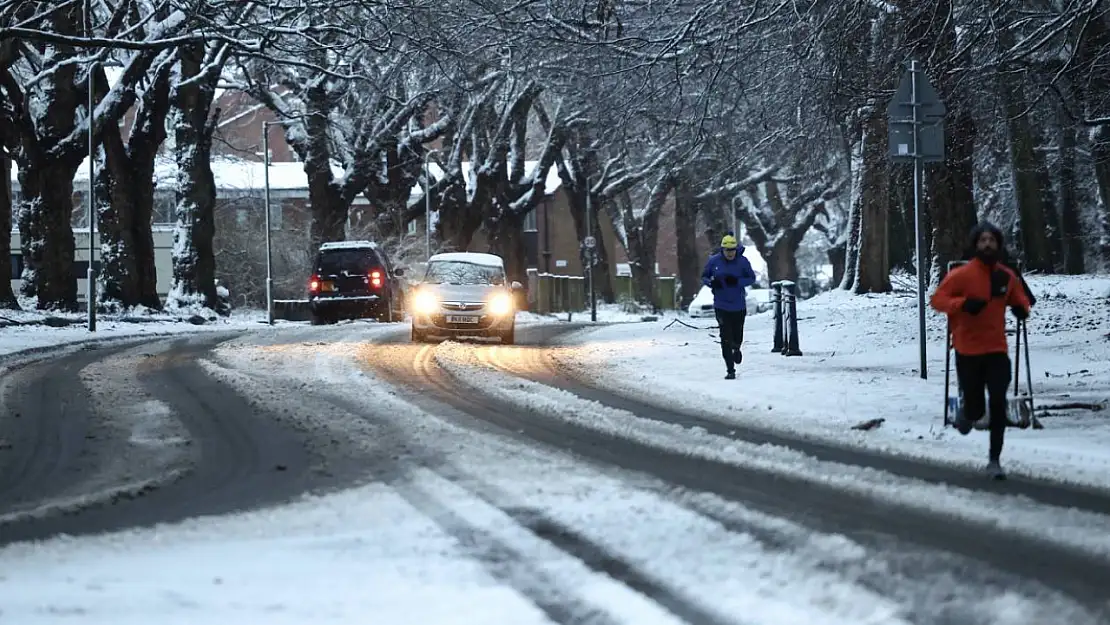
{"x": 988, "y": 256}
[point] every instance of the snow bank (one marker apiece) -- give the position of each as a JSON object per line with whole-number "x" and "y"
{"x": 860, "y": 362}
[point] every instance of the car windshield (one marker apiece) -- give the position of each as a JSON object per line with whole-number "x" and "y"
{"x": 334, "y": 262}
{"x": 461, "y": 272}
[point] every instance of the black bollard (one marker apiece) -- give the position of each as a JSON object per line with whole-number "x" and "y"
{"x": 776, "y": 300}
{"x": 790, "y": 295}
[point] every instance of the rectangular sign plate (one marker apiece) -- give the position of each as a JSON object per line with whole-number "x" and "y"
{"x": 461, "y": 319}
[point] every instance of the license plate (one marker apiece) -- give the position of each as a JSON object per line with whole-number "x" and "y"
{"x": 461, "y": 319}
{"x": 327, "y": 287}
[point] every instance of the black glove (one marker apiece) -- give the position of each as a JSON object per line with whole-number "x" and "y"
{"x": 973, "y": 305}
{"x": 1020, "y": 313}
{"x": 715, "y": 284}
{"x": 1000, "y": 283}
{"x": 731, "y": 280}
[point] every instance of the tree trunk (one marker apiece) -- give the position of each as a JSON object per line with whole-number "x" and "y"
{"x": 47, "y": 235}
{"x": 1040, "y": 240}
{"x": 1092, "y": 89}
{"x": 147, "y": 136}
{"x": 194, "y": 260}
{"x": 685, "y": 226}
{"x": 8, "y": 300}
{"x": 838, "y": 259}
{"x": 716, "y": 224}
{"x": 873, "y": 198}
{"x": 506, "y": 239}
{"x": 950, "y": 197}
{"x": 782, "y": 260}
{"x": 115, "y": 184}
{"x": 329, "y": 210}
{"x": 1100, "y": 153}
{"x": 902, "y": 231}
{"x": 855, "y": 221}
{"x": 1069, "y": 202}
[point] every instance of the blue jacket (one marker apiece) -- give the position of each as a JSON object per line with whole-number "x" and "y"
{"x": 732, "y": 277}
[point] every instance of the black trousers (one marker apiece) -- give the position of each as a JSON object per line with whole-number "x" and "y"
{"x": 990, "y": 372}
{"x": 731, "y": 326}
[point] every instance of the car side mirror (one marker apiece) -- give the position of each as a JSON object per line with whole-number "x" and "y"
{"x": 516, "y": 286}
{"x": 399, "y": 272}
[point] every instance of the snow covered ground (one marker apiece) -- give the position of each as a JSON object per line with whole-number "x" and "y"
{"x": 859, "y": 362}
{"x": 24, "y": 330}
{"x": 463, "y": 527}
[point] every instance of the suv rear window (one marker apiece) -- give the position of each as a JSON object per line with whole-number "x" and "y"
{"x": 353, "y": 260}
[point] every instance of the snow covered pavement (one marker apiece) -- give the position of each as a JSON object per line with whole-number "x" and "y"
{"x": 486, "y": 497}
{"x": 859, "y": 362}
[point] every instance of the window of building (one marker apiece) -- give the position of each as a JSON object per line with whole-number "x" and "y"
{"x": 17, "y": 266}
{"x": 530, "y": 221}
{"x": 165, "y": 208}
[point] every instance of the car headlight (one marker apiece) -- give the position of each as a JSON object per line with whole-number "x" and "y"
{"x": 501, "y": 304}
{"x": 425, "y": 303}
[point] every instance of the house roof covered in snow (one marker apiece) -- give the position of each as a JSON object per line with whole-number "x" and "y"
{"x": 233, "y": 174}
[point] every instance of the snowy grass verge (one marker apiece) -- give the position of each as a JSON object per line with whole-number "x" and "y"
{"x": 1073, "y": 528}
{"x": 860, "y": 362}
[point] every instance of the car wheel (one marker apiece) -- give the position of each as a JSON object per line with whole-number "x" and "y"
{"x": 417, "y": 337}
{"x": 318, "y": 319}
{"x": 508, "y": 337}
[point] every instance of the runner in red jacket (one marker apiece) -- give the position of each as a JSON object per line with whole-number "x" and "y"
{"x": 975, "y": 297}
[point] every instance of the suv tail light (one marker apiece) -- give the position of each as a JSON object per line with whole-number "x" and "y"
{"x": 376, "y": 279}
{"x": 314, "y": 284}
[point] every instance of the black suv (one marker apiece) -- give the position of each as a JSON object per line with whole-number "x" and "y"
{"x": 352, "y": 280}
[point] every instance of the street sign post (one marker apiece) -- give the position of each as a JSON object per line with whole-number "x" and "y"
{"x": 916, "y": 119}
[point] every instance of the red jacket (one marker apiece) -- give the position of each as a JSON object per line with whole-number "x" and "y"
{"x": 984, "y": 333}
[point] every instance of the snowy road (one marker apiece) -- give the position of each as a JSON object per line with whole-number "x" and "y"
{"x": 482, "y": 484}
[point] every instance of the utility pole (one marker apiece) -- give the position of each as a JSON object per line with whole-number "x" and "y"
{"x": 269, "y": 254}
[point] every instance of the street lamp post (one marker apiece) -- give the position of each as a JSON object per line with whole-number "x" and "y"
{"x": 91, "y": 274}
{"x": 428, "y": 203}
{"x": 269, "y": 255}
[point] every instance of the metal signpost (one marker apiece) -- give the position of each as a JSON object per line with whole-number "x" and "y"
{"x": 916, "y": 117}
{"x": 591, "y": 246}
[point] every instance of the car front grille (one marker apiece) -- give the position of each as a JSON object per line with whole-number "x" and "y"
{"x": 463, "y": 306}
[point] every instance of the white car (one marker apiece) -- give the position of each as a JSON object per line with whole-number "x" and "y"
{"x": 464, "y": 294}
{"x": 758, "y": 300}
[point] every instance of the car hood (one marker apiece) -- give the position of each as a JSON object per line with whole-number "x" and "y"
{"x": 463, "y": 292}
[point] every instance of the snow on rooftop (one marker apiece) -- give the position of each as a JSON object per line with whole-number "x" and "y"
{"x": 235, "y": 174}
{"x": 476, "y": 258}
{"x": 348, "y": 245}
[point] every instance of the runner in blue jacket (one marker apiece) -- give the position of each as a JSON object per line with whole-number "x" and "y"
{"x": 728, "y": 274}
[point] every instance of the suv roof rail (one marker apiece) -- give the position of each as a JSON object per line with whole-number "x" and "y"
{"x": 339, "y": 245}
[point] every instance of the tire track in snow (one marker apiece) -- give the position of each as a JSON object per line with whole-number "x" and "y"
{"x": 502, "y": 561}
{"x": 593, "y": 555}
